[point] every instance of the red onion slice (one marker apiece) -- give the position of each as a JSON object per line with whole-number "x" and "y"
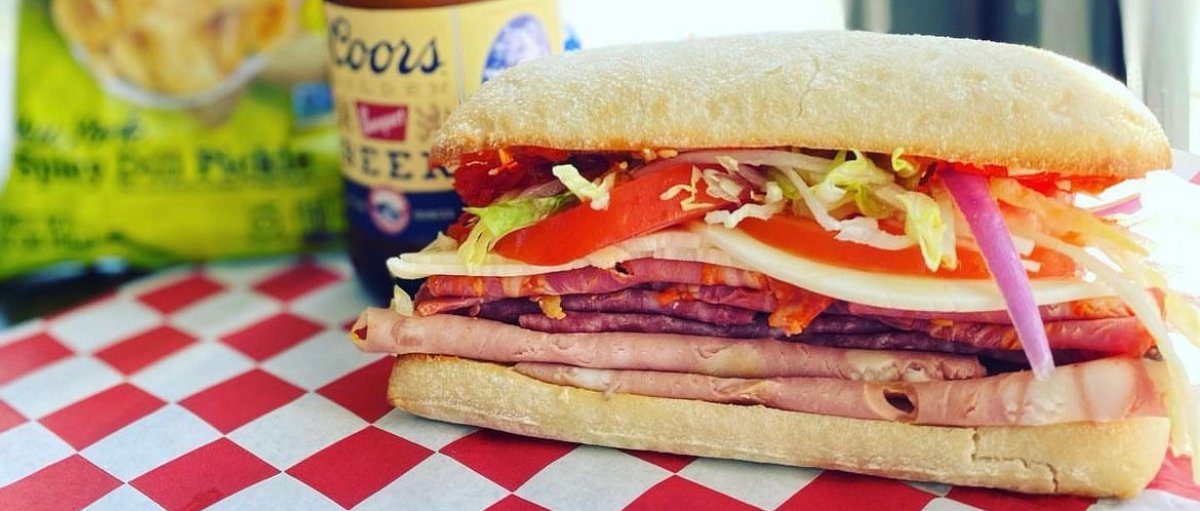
{"x": 970, "y": 193}
{"x": 1125, "y": 205}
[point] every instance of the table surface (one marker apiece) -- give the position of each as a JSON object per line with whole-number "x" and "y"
{"x": 234, "y": 386}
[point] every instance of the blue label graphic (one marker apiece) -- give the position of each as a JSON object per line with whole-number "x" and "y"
{"x": 521, "y": 39}
{"x": 386, "y": 213}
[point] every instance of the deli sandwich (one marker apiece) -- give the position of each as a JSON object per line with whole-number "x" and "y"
{"x": 842, "y": 250}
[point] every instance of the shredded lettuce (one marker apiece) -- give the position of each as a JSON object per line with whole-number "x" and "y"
{"x": 949, "y": 235}
{"x": 732, "y": 219}
{"x": 772, "y": 204}
{"x": 721, "y": 186}
{"x": 497, "y": 220}
{"x": 688, "y": 203}
{"x": 774, "y": 193}
{"x": 785, "y": 185}
{"x": 476, "y": 245}
{"x": 442, "y": 243}
{"x": 903, "y": 167}
{"x": 788, "y": 190}
{"x": 505, "y": 217}
{"x": 1184, "y": 316}
{"x": 838, "y": 159}
{"x": 728, "y": 163}
{"x": 865, "y": 230}
{"x": 810, "y": 200}
{"x": 853, "y": 180}
{"x": 923, "y": 222}
{"x": 596, "y": 195}
{"x": 875, "y": 193}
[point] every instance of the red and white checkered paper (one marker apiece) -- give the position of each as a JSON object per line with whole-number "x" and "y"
{"x": 235, "y": 386}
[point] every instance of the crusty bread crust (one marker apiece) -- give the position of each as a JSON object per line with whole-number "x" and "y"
{"x": 952, "y": 99}
{"x": 1100, "y": 460}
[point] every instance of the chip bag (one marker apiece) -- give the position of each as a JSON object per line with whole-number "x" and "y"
{"x": 159, "y": 131}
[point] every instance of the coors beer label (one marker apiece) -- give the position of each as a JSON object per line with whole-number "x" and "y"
{"x": 396, "y": 75}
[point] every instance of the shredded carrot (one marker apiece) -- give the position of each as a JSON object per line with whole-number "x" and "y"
{"x": 675, "y": 294}
{"x": 797, "y": 307}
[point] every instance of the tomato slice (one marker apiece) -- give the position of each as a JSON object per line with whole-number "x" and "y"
{"x": 482, "y": 177}
{"x": 1046, "y": 183}
{"x": 634, "y": 209}
{"x": 804, "y": 237}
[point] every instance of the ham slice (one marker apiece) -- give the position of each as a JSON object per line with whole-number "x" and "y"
{"x": 1101, "y": 390}
{"x": 385, "y": 331}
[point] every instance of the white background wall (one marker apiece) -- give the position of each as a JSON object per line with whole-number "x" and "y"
{"x": 609, "y": 22}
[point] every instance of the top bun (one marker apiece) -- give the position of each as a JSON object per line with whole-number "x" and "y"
{"x": 951, "y": 99}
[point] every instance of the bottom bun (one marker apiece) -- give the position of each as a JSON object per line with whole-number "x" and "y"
{"x": 1094, "y": 459}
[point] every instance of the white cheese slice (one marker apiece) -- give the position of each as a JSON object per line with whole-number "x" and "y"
{"x": 673, "y": 244}
{"x": 906, "y": 292}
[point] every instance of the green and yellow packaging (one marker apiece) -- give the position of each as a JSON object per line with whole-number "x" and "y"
{"x": 160, "y": 131}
